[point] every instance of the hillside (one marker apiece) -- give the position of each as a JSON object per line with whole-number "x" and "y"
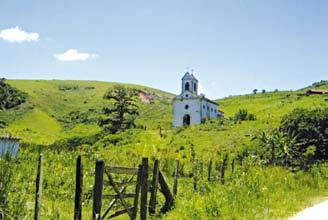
{"x": 57, "y": 110}
{"x": 41, "y": 119}
{"x": 47, "y": 115}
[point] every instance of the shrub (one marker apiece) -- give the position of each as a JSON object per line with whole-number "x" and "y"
{"x": 300, "y": 141}
{"x": 67, "y": 87}
{"x": 9, "y": 96}
{"x": 77, "y": 117}
{"x": 308, "y": 128}
{"x": 243, "y": 115}
{"x": 3, "y": 124}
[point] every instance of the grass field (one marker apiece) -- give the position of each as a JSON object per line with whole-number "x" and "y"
{"x": 253, "y": 191}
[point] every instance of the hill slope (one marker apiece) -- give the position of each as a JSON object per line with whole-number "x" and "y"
{"x": 46, "y": 117}
{"x": 252, "y": 191}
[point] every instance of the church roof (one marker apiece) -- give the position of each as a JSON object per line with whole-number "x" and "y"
{"x": 209, "y": 100}
{"x": 200, "y": 97}
{"x": 187, "y": 75}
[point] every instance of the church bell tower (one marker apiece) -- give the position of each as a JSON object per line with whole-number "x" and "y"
{"x": 189, "y": 84}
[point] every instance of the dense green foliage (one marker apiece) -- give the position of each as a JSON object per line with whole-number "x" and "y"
{"x": 309, "y": 128}
{"x": 9, "y": 96}
{"x": 244, "y": 115}
{"x": 123, "y": 111}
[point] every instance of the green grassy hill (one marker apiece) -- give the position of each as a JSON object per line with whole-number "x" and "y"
{"x": 253, "y": 191}
{"x": 40, "y": 119}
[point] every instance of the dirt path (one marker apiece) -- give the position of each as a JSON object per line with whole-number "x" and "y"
{"x": 316, "y": 212}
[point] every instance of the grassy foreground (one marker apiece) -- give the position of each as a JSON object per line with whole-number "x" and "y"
{"x": 252, "y": 191}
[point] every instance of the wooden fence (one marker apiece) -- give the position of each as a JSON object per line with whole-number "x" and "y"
{"x": 104, "y": 179}
{"x": 138, "y": 178}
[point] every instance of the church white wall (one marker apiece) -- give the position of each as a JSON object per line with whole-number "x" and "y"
{"x": 209, "y": 110}
{"x": 179, "y": 111}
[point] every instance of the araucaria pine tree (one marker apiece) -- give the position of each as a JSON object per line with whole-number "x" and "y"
{"x": 121, "y": 114}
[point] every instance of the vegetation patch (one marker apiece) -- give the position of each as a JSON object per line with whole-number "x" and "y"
{"x": 244, "y": 115}
{"x": 77, "y": 117}
{"x": 10, "y": 97}
{"x": 68, "y": 87}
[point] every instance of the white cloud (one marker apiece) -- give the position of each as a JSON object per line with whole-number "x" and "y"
{"x": 74, "y": 55}
{"x": 17, "y": 35}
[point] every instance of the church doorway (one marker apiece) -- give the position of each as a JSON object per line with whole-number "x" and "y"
{"x": 186, "y": 120}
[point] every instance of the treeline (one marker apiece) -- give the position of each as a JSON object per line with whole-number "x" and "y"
{"x": 9, "y": 96}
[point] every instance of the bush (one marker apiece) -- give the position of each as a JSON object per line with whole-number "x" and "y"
{"x": 243, "y": 115}
{"x": 73, "y": 143}
{"x": 67, "y": 87}
{"x": 9, "y": 96}
{"x": 308, "y": 128}
{"x": 77, "y": 117}
{"x": 3, "y": 124}
{"x": 300, "y": 141}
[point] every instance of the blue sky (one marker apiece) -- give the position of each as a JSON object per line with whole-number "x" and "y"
{"x": 233, "y": 46}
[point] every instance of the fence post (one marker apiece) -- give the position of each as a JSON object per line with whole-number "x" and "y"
{"x": 195, "y": 175}
{"x": 223, "y": 168}
{"x": 137, "y": 191}
{"x": 144, "y": 189}
{"x": 97, "y": 190}
{"x": 152, "y": 201}
{"x": 78, "y": 189}
{"x": 209, "y": 170}
{"x": 169, "y": 199}
{"x": 176, "y": 175}
{"x": 38, "y": 191}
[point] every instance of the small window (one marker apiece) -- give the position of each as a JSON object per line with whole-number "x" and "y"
{"x": 186, "y": 106}
{"x": 211, "y": 109}
{"x": 215, "y": 110}
{"x": 187, "y": 95}
{"x": 208, "y": 108}
{"x": 195, "y": 87}
{"x": 203, "y": 106}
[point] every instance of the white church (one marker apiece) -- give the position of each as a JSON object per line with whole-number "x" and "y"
{"x": 189, "y": 108}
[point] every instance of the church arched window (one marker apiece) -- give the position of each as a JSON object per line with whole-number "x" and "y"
{"x": 195, "y": 87}
{"x": 187, "y": 86}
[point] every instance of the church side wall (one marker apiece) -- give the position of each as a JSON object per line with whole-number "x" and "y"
{"x": 179, "y": 111}
{"x": 209, "y": 110}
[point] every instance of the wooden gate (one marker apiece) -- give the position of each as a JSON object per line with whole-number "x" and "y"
{"x": 137, "y": 177}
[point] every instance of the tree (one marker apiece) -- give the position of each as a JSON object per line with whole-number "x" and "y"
{"x": 263, "y": 91}
{"x": 255, "y": 91}
{"x": 123, "y": 111}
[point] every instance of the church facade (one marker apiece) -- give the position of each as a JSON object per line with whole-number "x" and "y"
{"x": 189, "y": 108}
